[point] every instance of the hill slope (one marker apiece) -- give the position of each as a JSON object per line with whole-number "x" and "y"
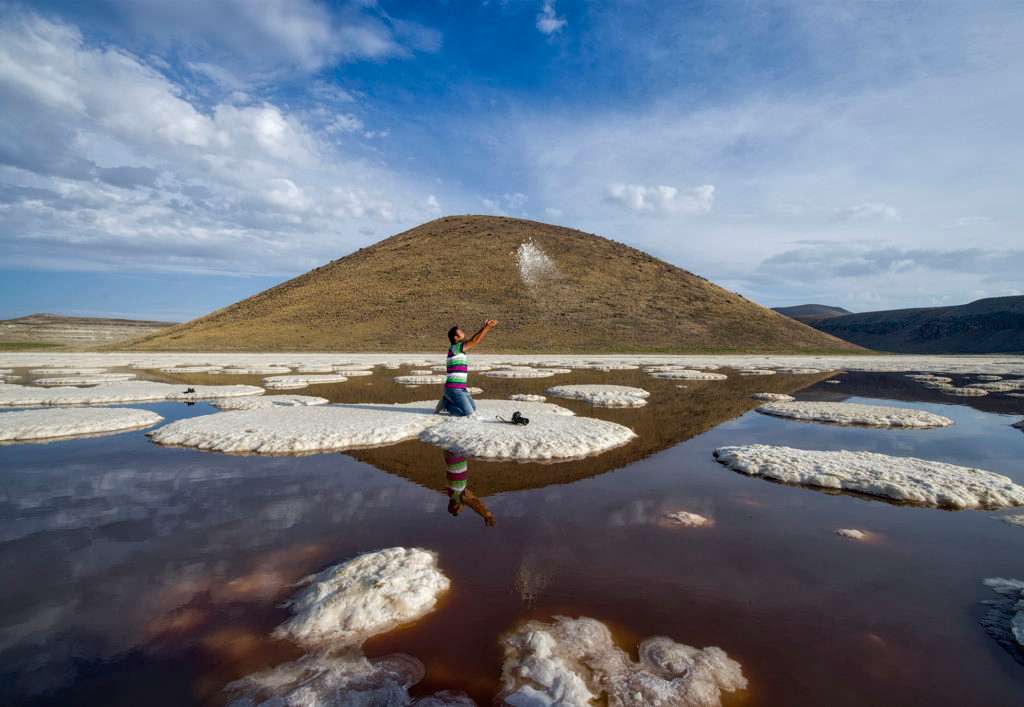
{"x": 553, "y": 289}
{"x": 807, "y": 313}
{"x": 78, "y": 332}
{"x": 993, "y": 325}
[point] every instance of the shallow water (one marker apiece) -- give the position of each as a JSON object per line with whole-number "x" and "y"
{"x": 138, "y": 574}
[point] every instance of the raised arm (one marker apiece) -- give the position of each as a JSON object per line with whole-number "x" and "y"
{"x": 479, "y": 336}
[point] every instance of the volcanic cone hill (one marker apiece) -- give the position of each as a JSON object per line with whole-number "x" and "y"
{"x": 553, "y": 289}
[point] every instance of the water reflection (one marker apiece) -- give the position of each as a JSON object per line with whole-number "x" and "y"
{"x": 456, "y": 476}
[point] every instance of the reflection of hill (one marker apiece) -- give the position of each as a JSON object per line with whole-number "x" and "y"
{"x": 896, "y": 386}
{"x": 672, "y": 415}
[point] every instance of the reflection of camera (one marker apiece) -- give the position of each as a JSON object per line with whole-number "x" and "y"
{"x": 518, "y": 419}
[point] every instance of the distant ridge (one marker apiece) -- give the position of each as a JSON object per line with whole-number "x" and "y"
{"x": 55, "y": 330}
{"x": 807, "y": 312}
{"x": 553, "y": 289}
{"x": 992, "y": 325}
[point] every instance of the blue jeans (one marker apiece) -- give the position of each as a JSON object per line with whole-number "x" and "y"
{"x": 458, "y": 402}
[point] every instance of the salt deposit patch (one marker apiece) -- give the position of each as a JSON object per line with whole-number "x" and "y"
{"x": 191, "y": 369}
{"x": 612, "y": 396}
{"x": 420, "y": 380}
{"x": 254, "y": 370}
{"x": 121, "y": 392}
{"x": 773, "y": 397}
{"x": 575, "y": 662}
{"x": 296, "y": 430}
{"x": 527, "y": 397}
{"x": 690, "y": 375}
{"x": 851, "y": 533}
{"x": 292, "y": 382}
{"x": 62, "y": 371}
{"x": 547, "y": 437}
{"x": 523, "y": 372}
{"x": 686, "y": 519}
{"x": 25, "y": 425}
{"x": 756, "y": 372}
{"x": 964, "y": 392}
{"x": 97, "y": 379}
{"x": 1005, "y": 619}
{"x": 855, "y": 414}
{"x": 800, "y": 370}
{"x": 534, "y": 264}
{"x": 1016, "y": 519}
{"x": 267, "y": 401}
{"x": 367, "y": 595}
{"x": 905, "y": 479}
{"x": 1002, "y": 386}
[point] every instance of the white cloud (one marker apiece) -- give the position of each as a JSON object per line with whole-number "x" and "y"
{"x": 548, "y": 22}
{"x": 107, "y": 162}
{"x": 511, "y": 203}
{"x": 869, "y": 211}
{"x": 662, "y": 199}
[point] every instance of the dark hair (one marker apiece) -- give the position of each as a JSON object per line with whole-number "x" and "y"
{"x": 451, "y": 333}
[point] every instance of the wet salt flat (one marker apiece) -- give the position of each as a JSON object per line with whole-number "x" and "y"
{"x": 136, "y": 573}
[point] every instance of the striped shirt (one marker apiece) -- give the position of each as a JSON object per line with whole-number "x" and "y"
{"x": 456, "y": 473}
{"x": 458, "y": 368}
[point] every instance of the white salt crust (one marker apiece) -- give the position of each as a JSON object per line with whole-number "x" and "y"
{"x": 548, "y": 437}
{"x": 354, "y": 373}
{"x": 855, "y": 414}
{"x": 62, "y": 371}
{"x": 1015, "y": 519}
{"x": 118, "y": 392}
{"x": 523, "y": 372}
{"x": 254, "y": 370}
{"x": 800, "y": 370}
{"x": 191, "y": 369}
{"x": 686, "y": 519}
{"x": 609, "y": 396}
{"x": 97, "y": 379}
{"x": 369, "y": 594}
{"x": 293, "y": 382}
{"x": 689, "y": 375}
{"x": 1002, "y": 386}
{"x": 905, "y": 479}
{"x": 267, "y": 401}
{"x": 527, "y": 397}
{"x": 756, "y": 372}
{"x": 1012, "y": 609}
{"x": 964, "y": 392}
{"x": 575, "y": 663}
{"x": 420, "y": 380}
{"x": 851, "y": 533}
{"x": 297, "y": 430}
{"x": 773, "y": 397}
{"x": 24, "y": 425}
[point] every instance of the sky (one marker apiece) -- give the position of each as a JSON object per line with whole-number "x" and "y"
{"x": 163, "y": 159}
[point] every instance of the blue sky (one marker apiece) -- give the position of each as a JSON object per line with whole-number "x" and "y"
{"x": 163, "y": 159}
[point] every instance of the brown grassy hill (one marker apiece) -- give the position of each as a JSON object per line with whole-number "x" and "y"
{"x": 583, "y": 293}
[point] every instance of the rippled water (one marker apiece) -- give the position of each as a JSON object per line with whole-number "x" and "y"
{"x": 136, "y": 574}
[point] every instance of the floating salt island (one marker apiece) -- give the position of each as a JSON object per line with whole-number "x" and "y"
{"x": 855, "y": 414}
{"x": 685, "y": 519}
{"x": 267, "y": 401}
{"x": 303, "y": 381}
{"x": 773, "y": 397}
{"x": 420, "y": 380}
{"x": 1005, "y": 618}
{"x": 118, "y": 392}
{"x": 523, "y": 372}
{"x": 904, "y": 479}
{"x": 1015, "y": 519}
{"x": 369, "y": 594}
{"x": 576, "y": 662}
{"x": 55, "y": 423}
{"x": 609, "y": 396}
{"x": 92, "y": 379}
{"x": 552, "y": 435}
{"x": 527, "y": 397}
{"x": 689, "y": 375}
{"x": 851, "y": 533}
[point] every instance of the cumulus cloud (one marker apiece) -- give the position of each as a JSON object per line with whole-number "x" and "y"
{"x": 106, "y": 161}
{"x": 548, "y": 21}
{"x": 511, "y": 203}
{"x": 662, "y": 199}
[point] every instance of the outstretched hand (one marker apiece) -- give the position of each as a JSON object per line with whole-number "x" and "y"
{"x": 490, "y": 323}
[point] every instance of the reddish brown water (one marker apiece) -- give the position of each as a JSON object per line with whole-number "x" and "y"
{"x": 135, "y": 574}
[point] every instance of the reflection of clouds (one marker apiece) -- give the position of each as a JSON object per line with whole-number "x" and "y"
{"x": 101, "y": 558}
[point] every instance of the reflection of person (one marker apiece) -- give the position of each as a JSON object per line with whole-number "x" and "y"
{"x": 457, "y": 400}
{"x": 457, "y": 475}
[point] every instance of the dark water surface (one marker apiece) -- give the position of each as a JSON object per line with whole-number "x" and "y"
{"x": 137, "y": 574}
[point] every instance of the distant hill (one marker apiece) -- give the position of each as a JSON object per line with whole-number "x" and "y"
{"x": 993, "y": 325}
{"x": 553, "y": 289}
{"x": 807, "y": 312}
{"x": 54, "y": 330}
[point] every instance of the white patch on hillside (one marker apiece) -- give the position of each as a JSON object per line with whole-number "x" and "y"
{"x": 855, "y": 414}
{"x": 575, "y": 662}
{"x": 534, "y": 264}
{"x": 29, "y": 425}
{"x": 610, "y": 396}
{"x": 905, "y": 479}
